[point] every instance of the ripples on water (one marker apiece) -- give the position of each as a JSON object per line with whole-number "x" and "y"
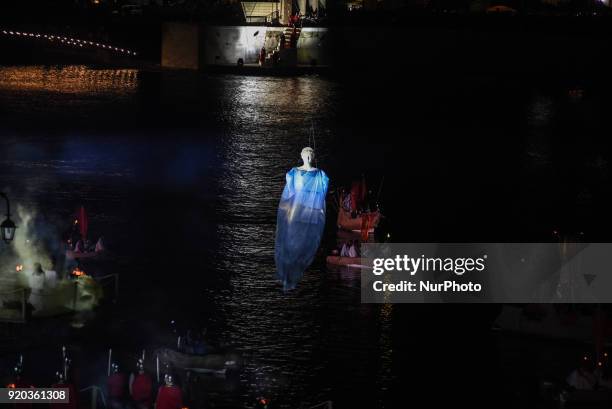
{"x": 215, "y": 170}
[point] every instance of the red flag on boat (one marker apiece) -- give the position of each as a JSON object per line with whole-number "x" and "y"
{"x": 82, "y": 221}
{"x": 359, "y": 191}
{"x": 367, "y": 220}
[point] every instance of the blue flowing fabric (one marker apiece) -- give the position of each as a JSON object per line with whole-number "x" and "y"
{"x": 299, "y": 224}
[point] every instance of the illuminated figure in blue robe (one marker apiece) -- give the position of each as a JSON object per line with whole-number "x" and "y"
{"x": 300, "y": 221}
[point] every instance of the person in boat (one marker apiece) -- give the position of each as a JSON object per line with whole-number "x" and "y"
{"x": 51, "y": 277}
{"x": 73, "y": 396}
{"x": 141, "y": 388}
{"x": 350, "y": 249}
{"x": 346, "y": 201}
{"x": 169, "y": 395}
{"x": 293, "y": 38}
{"x": 199, "y": 346}
{"x": 344, "y": 251}
{"x": 37, "y": 283}
{"x": 79, "y": 247}
{"x": 354, "y": 249}
{"x": 196, "y": 344}
{"x": 37, "y": 279}
{"x": 583, "y": 378}
{"x": 88, "y": 245}
{"x": 262, "y": 56}
{"x": 116, "y": 386}
{"x": 100, "y": 247}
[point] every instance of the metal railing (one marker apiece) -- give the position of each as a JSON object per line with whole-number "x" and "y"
{"x": 14, "y": 302}
{"x": 13, "y": 305}
{"x": 95, "y": 392}
{"x": 113, "y": 286}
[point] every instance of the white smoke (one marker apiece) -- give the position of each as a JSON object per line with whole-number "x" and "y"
{"x": 33, "y": 243}
{"x": 30, "y": 247}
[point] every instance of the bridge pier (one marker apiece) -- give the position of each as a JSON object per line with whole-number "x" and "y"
{"x": 181, "y": 46}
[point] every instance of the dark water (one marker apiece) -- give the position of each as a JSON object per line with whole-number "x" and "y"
{"x": 182, "y": 174}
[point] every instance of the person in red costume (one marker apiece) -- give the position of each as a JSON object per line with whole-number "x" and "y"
{"x": 142, "y": 388}
{"x": 72, "y": 393}
{"x": 169, "y": 396}
{"x": 116, "y": 386}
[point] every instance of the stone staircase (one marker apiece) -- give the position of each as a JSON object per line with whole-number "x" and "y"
{"x": 287, "y": 32}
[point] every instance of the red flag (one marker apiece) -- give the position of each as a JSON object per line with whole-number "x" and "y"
{"x": 367, "y": 220}
{"x": 83, "y": 223}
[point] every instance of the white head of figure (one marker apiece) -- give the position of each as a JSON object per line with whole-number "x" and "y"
{"x": 308, "y": 157}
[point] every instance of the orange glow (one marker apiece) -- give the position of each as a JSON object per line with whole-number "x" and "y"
{"x": 11, "y": 386}
{"x": 78, "y": 272}
{"x": 19, "y": 267}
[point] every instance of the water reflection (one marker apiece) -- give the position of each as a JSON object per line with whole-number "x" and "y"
{"x": 70, "y": 79}
{"x": 277, "y": 330}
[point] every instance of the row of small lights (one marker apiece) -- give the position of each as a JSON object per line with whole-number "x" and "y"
{"x": 68, "y": 41}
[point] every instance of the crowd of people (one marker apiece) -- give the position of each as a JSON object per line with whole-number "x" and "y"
{"x": 134, "y": 391}
{"x": 137, "y": 390}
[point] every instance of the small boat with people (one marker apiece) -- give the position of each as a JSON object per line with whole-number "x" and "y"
{"x": 78, "y": 246}
{"x": 358, "y": 210}
{"x": 365, "y": 221}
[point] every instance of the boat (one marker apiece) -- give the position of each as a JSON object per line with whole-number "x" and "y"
{"x": 73, "y": 255}
{"x": 345, "y": 221}
{"x": 343, "y": 236}
{"x": 355, "y": 262}
{"x": 216, "y": 364}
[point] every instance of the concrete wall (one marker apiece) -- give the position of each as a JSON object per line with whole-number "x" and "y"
{"x": 314, "y": 46}
{"x": 180, "y": 46}
{"x": 224, "y": 45}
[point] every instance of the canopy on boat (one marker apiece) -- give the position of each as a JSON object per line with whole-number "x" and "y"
{"x": 300, "y": 223}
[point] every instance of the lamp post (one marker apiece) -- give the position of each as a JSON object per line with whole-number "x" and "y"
{"x": 7, "y": 228}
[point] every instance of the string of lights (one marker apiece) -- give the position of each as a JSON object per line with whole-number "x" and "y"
{"x": 69, "y": 41}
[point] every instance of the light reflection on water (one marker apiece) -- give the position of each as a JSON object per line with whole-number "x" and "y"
{"x": 285, "y": 333}
{"x": 71, "y": 79}
{"x": 310, "y": 345}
